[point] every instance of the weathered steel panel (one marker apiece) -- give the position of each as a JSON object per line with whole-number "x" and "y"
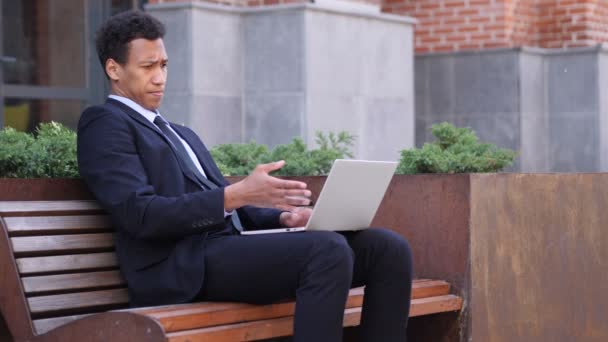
{"x": 43, "y": 189}
{"x": 539, "y": 257}
{"x": 432, "y": 212}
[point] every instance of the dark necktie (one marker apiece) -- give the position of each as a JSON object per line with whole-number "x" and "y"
{"x": 188, "y": 164}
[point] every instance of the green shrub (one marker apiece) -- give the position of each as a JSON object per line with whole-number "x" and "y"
{"x": 15, "y": 155}
{"x": 241, "y": 159}
{"x": 50, "y": 153}
{"x": 238, "y": 159}
{"x": 456, "y": 150}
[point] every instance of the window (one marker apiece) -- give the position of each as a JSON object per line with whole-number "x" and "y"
{"x": 49, "y": 68}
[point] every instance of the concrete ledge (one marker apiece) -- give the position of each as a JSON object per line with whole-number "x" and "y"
{"x": 336, "y": 9}
{"x": 545, "y": 103}
{"x": 603, "y": 48}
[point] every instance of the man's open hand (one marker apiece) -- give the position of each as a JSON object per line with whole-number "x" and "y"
{"x": 262, "y": 190}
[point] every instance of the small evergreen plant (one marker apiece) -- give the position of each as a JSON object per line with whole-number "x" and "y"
{"x": 49, "y": 153}
{"x": 241, "y": 159}
{"x": 456, "y": 150}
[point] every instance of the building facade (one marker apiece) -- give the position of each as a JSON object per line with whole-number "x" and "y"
{"x": 272, "y": 73}
{"x": 525, "y": 74}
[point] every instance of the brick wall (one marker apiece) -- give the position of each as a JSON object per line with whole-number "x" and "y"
{"x": 568, "y": 23}
{"x": 453, "y": 25}
{"x": 521, "y": 19}
{"x": 448, "y": 25}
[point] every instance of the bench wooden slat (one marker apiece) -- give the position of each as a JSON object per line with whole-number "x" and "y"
{"x": 35, "y": 208}
{"x": 262, "y": 329}
{"x": 62, "y": 243}
{"x": 200, "y": 315}
{"x": 419, "y": 290}
{"x": 56, "y": 224}
{"x": 230, "y": 313}
{"x": 71, "y": 282}
{"x": 67, "y": 263}
{"x": 253, "y": 331}
{"x": 423, "y": 289}
{"x": 437, "y": 304}
{"x": 79, "y": 300}
{"x": 419, "y": 307}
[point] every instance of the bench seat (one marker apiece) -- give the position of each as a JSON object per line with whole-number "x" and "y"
{"x": 62, "y": 281}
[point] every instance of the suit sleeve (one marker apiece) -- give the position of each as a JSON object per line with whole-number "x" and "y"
{"x": 110, "y": 164}
{"x": 252, "y": 217}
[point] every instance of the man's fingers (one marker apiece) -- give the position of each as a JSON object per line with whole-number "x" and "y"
{"x": 296, "y": 200}
{"x": 288, "y": 184}
{"x": 297, "y": 193}
{"x": 268, "y": 168}
{"x": 294, "y": 197}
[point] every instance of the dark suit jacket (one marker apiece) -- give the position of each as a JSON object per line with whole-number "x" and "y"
{"x": 161, "y": 214}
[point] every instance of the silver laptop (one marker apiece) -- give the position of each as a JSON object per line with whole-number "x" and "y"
{"x": 349, "y": 199}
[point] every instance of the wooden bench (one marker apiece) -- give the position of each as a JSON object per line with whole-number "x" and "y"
{"x": 60, "y": 282}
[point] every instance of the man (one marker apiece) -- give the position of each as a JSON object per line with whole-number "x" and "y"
{"x": 177, "y": 219}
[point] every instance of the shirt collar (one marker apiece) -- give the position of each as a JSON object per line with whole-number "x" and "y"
{"x": 146, "y": 113}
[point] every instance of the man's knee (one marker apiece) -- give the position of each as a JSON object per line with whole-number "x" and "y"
{"x": 331, "y": 250}
{"x": 394, "y": 246}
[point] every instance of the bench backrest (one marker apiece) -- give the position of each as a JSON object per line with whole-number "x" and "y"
{"x": 58, "y": 264}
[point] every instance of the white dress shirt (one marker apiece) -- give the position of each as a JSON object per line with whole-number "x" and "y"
{"x": 150, "y": 115}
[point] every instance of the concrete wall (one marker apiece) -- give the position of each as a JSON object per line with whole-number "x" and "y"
{"x": 534, "y": 149}
{"x": 271, "y": 74}
{"x": 603, "y": 120}
{"x": 274, "y": 75}
{"x": 477, "y": 90}
{"x": 573, "y": 105}
{"x": 205, "y": 81}
{"x": 544, "y": 103}
{"x": 360, "y": 78}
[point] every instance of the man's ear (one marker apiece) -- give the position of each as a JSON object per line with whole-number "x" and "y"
{"x": 113, "y": 69}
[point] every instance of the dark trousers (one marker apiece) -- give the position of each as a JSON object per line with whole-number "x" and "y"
{"x": 318, "y": 269}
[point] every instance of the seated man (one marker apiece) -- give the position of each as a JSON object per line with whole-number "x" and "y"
{"x": 178, "y": 220}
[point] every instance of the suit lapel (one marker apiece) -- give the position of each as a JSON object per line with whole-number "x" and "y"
{"x": 194, "y": 143}
{"x": 140, "y": 119}
{"x": 136, "y": 116}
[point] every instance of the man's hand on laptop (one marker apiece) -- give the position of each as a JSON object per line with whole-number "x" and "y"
{"x": 298, "y": 217}
{"x": 262, "y": 190}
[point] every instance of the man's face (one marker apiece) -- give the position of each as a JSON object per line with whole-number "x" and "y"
{"x": 142, "y": 78}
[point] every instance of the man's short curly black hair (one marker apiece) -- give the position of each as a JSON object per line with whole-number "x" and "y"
{"x": 113, "y": 37}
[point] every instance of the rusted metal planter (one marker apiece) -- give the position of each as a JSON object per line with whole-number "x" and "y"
{"x": 527, "y": 252}
{"x": 43, "y": 189}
